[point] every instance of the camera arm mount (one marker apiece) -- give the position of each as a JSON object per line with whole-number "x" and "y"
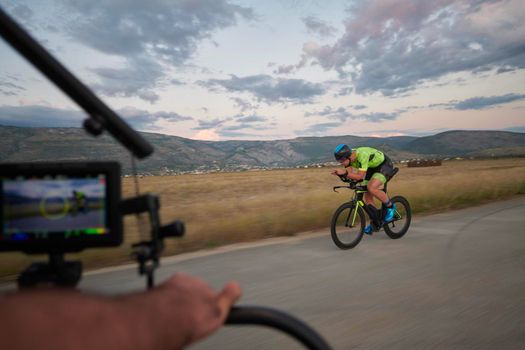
{"x": 147, "y": 253}
{"x": 56, "y": 272}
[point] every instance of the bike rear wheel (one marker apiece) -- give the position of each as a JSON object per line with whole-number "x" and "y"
{"x": 347, "y": 226}
{"x": 402, "y": 218}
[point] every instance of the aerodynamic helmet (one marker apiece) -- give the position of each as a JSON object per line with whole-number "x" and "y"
{"x": 342, "y": 151}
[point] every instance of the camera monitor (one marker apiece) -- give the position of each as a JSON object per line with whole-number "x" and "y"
{"x": 59, "y": 207}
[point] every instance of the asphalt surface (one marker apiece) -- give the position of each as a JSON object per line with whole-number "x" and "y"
{"x": 455, "y": 281}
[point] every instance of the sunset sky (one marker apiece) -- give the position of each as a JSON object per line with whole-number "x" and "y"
{"x": 276, "y": 69}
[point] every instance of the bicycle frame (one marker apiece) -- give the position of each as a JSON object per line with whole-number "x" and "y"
{"x": 357, "y": 200}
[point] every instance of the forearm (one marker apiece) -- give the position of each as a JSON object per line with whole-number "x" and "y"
{"x": 176, "y": 313}
{"x": 354, "y": 176}
{"x": 71, "y": 320}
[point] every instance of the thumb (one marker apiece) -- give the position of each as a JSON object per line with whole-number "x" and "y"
{"x": 227, "y": 297}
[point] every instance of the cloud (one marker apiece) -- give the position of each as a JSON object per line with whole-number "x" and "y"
{"x": 316, "y": 26}
{"x": 479, "y": 102}
{"x": 7, "y": 92}
{"x": 268, "y": 89}
{"x": 253, "y": 122}
{"x": 22, "y": 12}
{"x": 317, "y": 129}
{"x": 138, "y": 79}
{"x": 244, "y": 105}
{"x": 169, "y": 30}
{"x": 339, "y": 114}
{"x": 229, "y": 126}
{"x": 391, "y": 46}
{"x": 378, "y": 117}
{"x": 44, "y": 116}
{"x": 141, "y": 119}
{"x": 251, "y": 119}
{"x": 9, "y": 86}
{"x": 343, "y": 115}
{"x": 235, "y": 134}
{"x": 177, "y": 82}
{"x": 345, "y": 91}
{"x": 40, "y": 116}
{"x": 291, "y": 68}
{"x": 485, "y": 102}
{"x": 210, "y": 124}
{"x": 150, "y": 35}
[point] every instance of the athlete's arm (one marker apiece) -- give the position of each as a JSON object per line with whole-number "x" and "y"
{"x": 359, "y": 176}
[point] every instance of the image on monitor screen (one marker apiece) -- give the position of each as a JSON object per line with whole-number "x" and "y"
{"x": 39, "y": 208}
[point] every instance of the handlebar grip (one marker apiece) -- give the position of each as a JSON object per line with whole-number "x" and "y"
{"x": 264, "y": 316}
{"x": 175, "y": 229}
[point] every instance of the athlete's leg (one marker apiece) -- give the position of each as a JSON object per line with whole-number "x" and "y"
{"x": 375, "y": 186}
{"x": 368, "y": 198}
{"x": 371, "y": 210}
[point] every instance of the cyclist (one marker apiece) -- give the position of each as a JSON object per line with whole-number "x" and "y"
{"x": 80, "y": 201}
{"x": 375, "y": 167}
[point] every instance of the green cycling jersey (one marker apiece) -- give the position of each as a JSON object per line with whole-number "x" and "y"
{"x": 367, "y": 157}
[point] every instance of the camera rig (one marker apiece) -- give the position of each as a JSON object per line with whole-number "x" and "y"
{"x": 57, "y": 271}
{"x": 101, "y": 118}
{"x": 147, "y": 252}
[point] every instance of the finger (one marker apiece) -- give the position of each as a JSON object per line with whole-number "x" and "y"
{"x": 227, "y": 297}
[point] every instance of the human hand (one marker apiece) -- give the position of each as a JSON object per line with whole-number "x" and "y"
{"x": 192, "y": 307}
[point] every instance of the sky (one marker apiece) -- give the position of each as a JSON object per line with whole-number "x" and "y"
{"x": 276, "y": 69}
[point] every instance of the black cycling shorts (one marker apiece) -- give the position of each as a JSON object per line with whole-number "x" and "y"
{"x": 386, "y": 168}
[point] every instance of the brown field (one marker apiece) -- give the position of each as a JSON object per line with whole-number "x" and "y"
{"x": 223, "y": 208}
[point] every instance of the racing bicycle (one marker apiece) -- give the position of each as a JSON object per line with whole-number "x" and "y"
{"x": 349, "y": 220}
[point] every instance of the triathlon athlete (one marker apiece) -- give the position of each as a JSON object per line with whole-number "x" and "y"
{"x": 374, "y": 167}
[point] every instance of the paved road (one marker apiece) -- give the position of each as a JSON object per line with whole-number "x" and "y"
{"x": 455, "y": 281}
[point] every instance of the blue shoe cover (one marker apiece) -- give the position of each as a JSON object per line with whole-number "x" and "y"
{"x": 390, "y": 211}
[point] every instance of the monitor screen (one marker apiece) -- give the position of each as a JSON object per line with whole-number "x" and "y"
{"x": 51, "y": 207}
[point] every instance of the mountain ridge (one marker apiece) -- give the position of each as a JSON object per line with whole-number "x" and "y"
{"x": 177, "y": 154}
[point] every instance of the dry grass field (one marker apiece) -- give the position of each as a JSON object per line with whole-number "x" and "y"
{"x": 223, "y": 208}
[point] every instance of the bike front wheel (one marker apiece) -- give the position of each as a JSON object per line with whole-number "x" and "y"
{"x": 402, "y": 217}
{"x": 347, "y": 225}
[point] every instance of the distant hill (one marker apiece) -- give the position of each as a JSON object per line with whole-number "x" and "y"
{"x": 177, "y": 154}
{"x": 460, "y": 142}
